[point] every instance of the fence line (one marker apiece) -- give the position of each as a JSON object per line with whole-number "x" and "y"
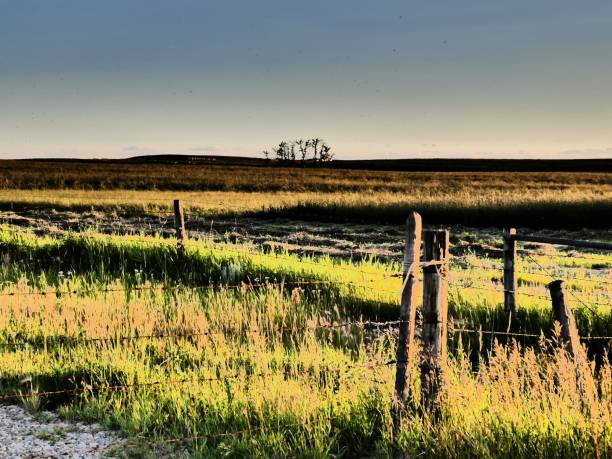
{"x": 361, "y": 284}
{"x": 578, "y": 278}
{"x": 122, "y": 387}
{"x": 522, "y": 251}
{"x": 296, "y": 258}
{"x": 528, "y": 335}
{"x": 59, "y": 340}
{"x": 489, "y": 289}
{"x": 397, "y": 274}
{"x": 493, "y": 332}
{"x": 224, "y": 287}
{"x": 434, "y": 330}
{"x": 532, "y": 295}
{"x": 569, "y": 291}
{"x": 161, "y": 288}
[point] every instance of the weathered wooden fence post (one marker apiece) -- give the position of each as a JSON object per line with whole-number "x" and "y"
{"x": 510, "y": 279}
{"x": 435, "y": 312}
{"x": 571, "y": 342}
{"x": 179, "y": 225}
{"x": 412, "y": 256}
{"x": 563, "y": 314}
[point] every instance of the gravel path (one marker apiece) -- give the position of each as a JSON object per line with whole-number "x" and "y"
{"x": 45, "y": 435}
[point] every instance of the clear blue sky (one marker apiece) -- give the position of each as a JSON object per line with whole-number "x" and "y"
{"x": 114, "y": 78}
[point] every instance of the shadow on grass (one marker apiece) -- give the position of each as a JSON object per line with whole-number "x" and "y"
{"x": 547, "y": 214}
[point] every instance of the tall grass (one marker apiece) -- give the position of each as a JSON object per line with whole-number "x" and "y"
{"x": 366, "y": 288}
{"x": 324, "y": 393}
{"x": 230, "y": 177}
{"x": 256, "y": 364}
{"x": 548, "y": 200}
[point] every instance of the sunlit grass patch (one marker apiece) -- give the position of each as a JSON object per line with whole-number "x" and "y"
{"x": 253, "y": 365}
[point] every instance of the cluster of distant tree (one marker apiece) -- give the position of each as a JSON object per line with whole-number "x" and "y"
{"x": 309, "y": 150}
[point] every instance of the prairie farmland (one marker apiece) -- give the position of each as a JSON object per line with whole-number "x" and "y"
{"x": 272, "y": 330}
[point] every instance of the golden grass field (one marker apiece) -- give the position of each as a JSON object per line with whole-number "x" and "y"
{"x": 536, "y": 199}
{"x": 220, "y": 175}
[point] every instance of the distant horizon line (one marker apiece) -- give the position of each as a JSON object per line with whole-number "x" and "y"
{"x": 242, "y": 156}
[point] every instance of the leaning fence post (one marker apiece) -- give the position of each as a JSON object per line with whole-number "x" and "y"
{"x": 412, "y": 255}
{"x": 510, "y": 280}
{"x": 435, "y": 312}
{"x": 571, "y": 342}
{"x": 563, "y": 314}
{"x": 179, "y": 224}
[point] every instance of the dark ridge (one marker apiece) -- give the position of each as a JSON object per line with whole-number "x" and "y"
{"x": 480, "y": 165}
{"x": 414, "y": 165}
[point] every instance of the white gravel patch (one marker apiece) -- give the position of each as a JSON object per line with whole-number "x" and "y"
{"x": 46, "y": 435}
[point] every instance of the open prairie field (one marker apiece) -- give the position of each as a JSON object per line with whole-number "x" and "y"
{"x": 274, "y": 333}
{"x": 228, "y": 350}
{"x": 413, "y": 259}
{"x": 531, "y": 199}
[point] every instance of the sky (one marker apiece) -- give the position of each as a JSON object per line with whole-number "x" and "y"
{"x": 375, "y": 79}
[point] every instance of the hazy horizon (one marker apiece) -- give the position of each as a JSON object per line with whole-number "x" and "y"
{"x": 349, "y": 157}
{"x": 376, "y": 80}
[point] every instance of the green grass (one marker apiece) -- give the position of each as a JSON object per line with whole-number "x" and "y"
{"x": 323, "y": 393}
{"x": 367, "y": 287}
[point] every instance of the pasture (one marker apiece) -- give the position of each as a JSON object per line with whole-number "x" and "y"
{"x": 561, "y": 200}
{"x": 276, "y": 334}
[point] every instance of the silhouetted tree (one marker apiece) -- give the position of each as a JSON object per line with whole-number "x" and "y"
{"x": 315, "y": 150}
{"x": 325, "y": 154}
{"x": 302, "y": 148}
{"x": 282, "y": 152}
{"x": 314, "y": 143}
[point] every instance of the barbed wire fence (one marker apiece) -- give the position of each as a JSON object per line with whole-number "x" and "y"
{"x": 427, "y": 250}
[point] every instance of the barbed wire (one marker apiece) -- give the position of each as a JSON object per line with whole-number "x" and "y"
{"x": 493, "y": 332}
{"x": 527, "y": 335}
{"x": 365, "y": 284}
{"x": 527, "y": 252}
{"x": 573, "y": 278}
{"x": 164, "y": 288}
{"x": 62, "y": 340}
{"x": 121, "y": 387}
{"x": 532, "y": 295}
{"x": 275, "y": 256}
{"x": 590, "y": 308}
{"x": 490, "y": 289}
{"x": 156, "y": 206}
{"x": 352, "y": 270}
{"x": 168, "y": 381}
